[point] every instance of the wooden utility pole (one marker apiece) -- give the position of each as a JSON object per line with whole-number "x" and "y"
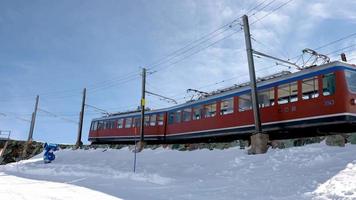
{"x": 79, "y": 142}
{"x": 32, "y": 127}
{"x": 141, "y": 143}
{"x": 258, "y": 139}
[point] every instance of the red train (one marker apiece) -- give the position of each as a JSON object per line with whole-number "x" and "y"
{"x": 318, "y": 100}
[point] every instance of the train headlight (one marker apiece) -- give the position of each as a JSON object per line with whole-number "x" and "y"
{"x": 353, "y": 101}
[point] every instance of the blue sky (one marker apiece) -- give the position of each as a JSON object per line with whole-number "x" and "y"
{"x": 56, "y": 48}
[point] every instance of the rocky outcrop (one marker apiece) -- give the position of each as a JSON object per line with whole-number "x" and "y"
{"x": 14, "y": 150}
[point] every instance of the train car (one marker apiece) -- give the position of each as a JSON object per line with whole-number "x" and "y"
{"x": 317, "y": 100}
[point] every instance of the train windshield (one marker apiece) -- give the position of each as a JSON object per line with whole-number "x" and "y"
{"x": 351, "y": 80}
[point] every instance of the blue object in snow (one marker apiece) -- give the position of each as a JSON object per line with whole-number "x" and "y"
{"x": 49, "y": 148}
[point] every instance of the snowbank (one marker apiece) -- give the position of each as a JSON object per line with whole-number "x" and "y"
{"x": 341, "y": 186}
{"x": 311, "y": 172}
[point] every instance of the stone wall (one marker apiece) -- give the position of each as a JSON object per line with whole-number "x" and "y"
{"x": 15, "y": 149}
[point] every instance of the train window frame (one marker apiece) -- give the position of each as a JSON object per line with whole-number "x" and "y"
{"x": 128, "y": 125}
{"x": 292, "y": 95}
{"x": 326, "y": 79}
{"x": 187, "y": 114}
{"x": 197, "y": 112}
{"x": 120, "y": 123}
{"x": 94, "y": 126}
{"x": 210, "y": 110}
{"x": 266, "y": 102}
{"x": 170, "y": 117}
{"x": 136, "y": 122}
{"x": 112, "y": 124}
{"x": 101, "y": 125}
{"x": 227, "y": 106}
{"x": 310, "y": 94}
{"x": 245, "y": 102}
{"x": 153, "y": 120}
{"x": 350, "y": 81}
{"x": 160, "y": 119}
{"x": 106, "y": 124}
{"x": 178, "y": 116}
{"x": 147, "y": 120}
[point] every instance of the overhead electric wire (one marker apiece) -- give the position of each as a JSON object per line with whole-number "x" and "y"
{"x": 198, "y": 51}
{"x": 225, "y": 37}
{"x": 269, "y": 13}
{"x": 110, "y": 83}
{"x": 14, "y": 116}
{"x": 274, "y": 10}
{"x": 202, "y": 40}
{"x": 192, "y": 45}
{"x": 60, "y": 94}
{"x": 197, "y": 46}
{"x": 254, "y": 8}
{"x": 113, "y": 84}
{"x": 179, "y": 97}
{"x": 340, "y": 50}
{"x": 261, "y": 9}
{"x": 327, "y": 44}
{"x": 102, "y": 111}
{"x": 57, "y": 116}
{"x": 335, "y": 41}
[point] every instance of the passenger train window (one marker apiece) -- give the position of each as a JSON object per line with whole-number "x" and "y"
{"x": 128, "y": 122}
{"x": 266, "y": 97}
{"x": 100, "y": 125}
{"x": 227, "y": 106}
{"x": 94, "y": 126}
{"x": 328, "y": 84}
{"x": 310, "y": 88}
{"x": 197, "y": 112}
{"x": 147, "y": 120}
{"x": 160, "y": 119}
{"x": 153, "y": 120}
{"x": 111, "y": 124}
{"x": 170, "y": 117}
{"x": 120, "y": 123}
{"x": 187, "y": 114}
{"x": 288, "y": 93}
{"x": 107, "y": 124}
{"x": 136, "y": 122}
{"x": 210, "y": 110}
{"x": 178, "y": 117}
{"x": 245, "y": 102}
{"x": 351, "y": 80}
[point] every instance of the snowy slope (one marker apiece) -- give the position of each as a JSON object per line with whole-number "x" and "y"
{"x": 311, "y": 172}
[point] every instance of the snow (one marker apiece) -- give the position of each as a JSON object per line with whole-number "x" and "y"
{"x": 341, "y": 186}
{"x": 314, "y": 171}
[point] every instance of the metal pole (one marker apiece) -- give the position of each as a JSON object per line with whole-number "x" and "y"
{"x": 142, "y": 136}
{"x": 32, "y": 127}
{"x": 33, "y": 120}
{"x": 278, "y": 59}
{"x": 251, "y": 67}
{"x": 79, "y": 142}
{"x": 258, "y": 139}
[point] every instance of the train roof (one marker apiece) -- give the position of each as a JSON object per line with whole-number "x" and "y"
{"x": 265, "y": 82}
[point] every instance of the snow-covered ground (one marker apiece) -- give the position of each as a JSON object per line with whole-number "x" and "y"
{"x": 315, "y": 171}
